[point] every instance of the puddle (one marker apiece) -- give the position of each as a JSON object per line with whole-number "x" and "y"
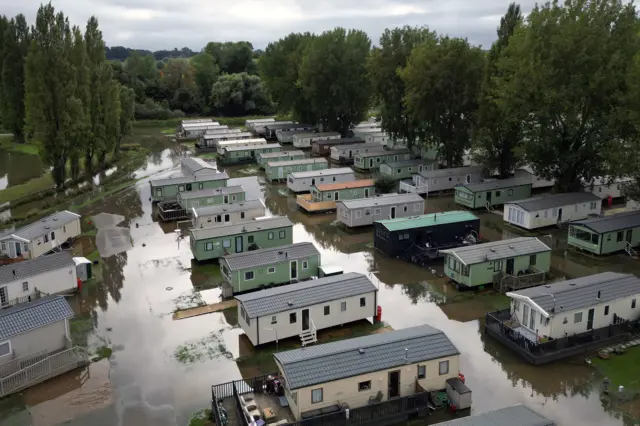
{"x": 17, "y": 168}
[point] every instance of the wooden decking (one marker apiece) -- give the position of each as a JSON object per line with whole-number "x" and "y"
{"x": 305, "y": 203}
{"x": 170, "y": 210}
{"x": 203, "y": 310}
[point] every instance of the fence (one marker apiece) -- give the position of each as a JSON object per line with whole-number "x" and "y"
{"x": 504, "y": 282}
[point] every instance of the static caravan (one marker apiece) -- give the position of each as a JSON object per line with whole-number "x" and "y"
{"x": 381, "y": 138}
{"x": 526, "y": 172}
{"x": 607, "y": 234}
{"x": 279, "y": 170}
{"x": 438, "y": 180}
{"x": 606, "y": 187}
{"x": 286, "y": 136}
{"x": 279, "y": 126}
{"x": 301, "y": 309}
{"x": 260, "y": 269}
{"x": 195, "y": 130}
{"x": 252, "y": 124}
{"x": 406, "y": 168}
{"x": 362, "y": 132}
{"x": 211, "y": 197}
{"x": 41, "y": 236}
{"x": 492, "y": 193}
{"x": 239, "y": 142}
{"x": 552, "y": 209}
{"x": 168, "y": 189}
{"x": 304, "y": 181}
{"x": 345, "y": 154}
{"x": 247, "y": 153}
{"x": 206, "y": 140}
{"x": 196, "y": 167}
{"x": 306, "y": 139}
{"x": 418, "y": 239}
{"x": 322, "y": 148}
{"x": 263, "y": 159}
{"x": 487, "y": 263}
{"x": 200, "y": 120}
{"x": 212, "y": 140}
{"x": 365, "y": 211}
{"x": 225, "y": 214}
{"x": 215, "y": 242}
{"x": 370, "y": 161}
{"x": 323, "y": 197}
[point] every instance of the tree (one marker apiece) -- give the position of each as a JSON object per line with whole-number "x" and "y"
{"x": 498, "y": 135}
{"x": 231, "y": 57}
{"x": 240, "y": 94}
{"x": 385, "y": 65}
{"x": 442, "y": 83}
{"x": 51, "y": 103}
{"x": 82, "y": 127}
{"x": 94, "y": 44}
{"x": 111, "y": 105}
{"x": 141, "y": 71}
{"x": 334, "y": 78}
{"x": 205, "y": 72}
{"x": 127, "y": 110}
{"x": 566, "y": 75}
{"x": 177, "y": 74}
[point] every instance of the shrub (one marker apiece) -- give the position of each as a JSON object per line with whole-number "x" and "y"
{"x": 384, "y": 184}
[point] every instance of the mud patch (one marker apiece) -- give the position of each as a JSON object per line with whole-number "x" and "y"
{"x": 208, "y": 348}
{"x": 188, "y": 300}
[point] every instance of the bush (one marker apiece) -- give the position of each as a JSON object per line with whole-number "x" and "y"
{"x": 150, "y": 110}
{"x": 384, "y": 184}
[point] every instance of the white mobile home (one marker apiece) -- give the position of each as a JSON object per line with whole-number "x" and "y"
{"x": 194, "y": 130}
{"x": 441, "y": 179}
{"x": 23, "y": 281}
{"x": 381, "y": 138}
{"x": 306, "y": 139}
{"x": 303, "y": 181}
{"x": 252, "y": 124}
{"x": 303, "y": 308}
{"x": 227, "y": 214}
{"x": 201, "y": 120}
{"x": 551, "y": 209}
{"x": 365, "y": 211}
{"x": 239, "y": 142}
{"x": 286, "y": 136}
{"x": 345, "y": 154}
{"x": 575, "y": 306}
{"x": 271, "y": 129}
{"x": 195, "y": 167}
{"x": 42, "y": 236}
{"x": 211, "y": 141}
{"x": 606, "y": 187}
{"x": 537, "y": 182}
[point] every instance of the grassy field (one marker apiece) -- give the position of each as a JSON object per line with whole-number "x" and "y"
{"x": 621, "y": 370}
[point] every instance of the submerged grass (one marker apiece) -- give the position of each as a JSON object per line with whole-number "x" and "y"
{"x": 26, "y": 189}
{"x": 207, "y": 348}
{"x": 80, "y": 328}
{"x": 201, "y": 418}
{"x": 621, "y": 370}
{"x": 101, "y": 353}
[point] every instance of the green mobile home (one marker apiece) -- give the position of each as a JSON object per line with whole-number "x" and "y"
{"x": 211, "y": 197}
{"x": 369, "y": 161}
{"x": 405, "y": 169}
{"x": 493, "y": 193}
{"x": 169, "y": 188}
{"x": 482, "y": 264}
{"x": 247, "y": 153}
{"x": 213, "y": 243}
{"x": 608, "y": 234}
{"x": 258, "y": 269}
{"x": 278, "y": 170}
{"x": 263, "y": 159}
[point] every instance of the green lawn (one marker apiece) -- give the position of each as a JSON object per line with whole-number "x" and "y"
{"x": 25, "y": 148}
{"x": 621, "y": 369}
{"x": 28, "y": 188}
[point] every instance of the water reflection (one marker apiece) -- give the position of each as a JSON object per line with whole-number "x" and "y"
{"x": 17, "y": 168}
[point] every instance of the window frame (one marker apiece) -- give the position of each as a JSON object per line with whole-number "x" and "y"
{"x": 8, "y": 343}
{"x": 422, "y": 374}
{"x": 253, "y": 275}
{"x": 314, "y": 398}
{"x": 282, "y": 234}
{"x": 440, "y": 365}
{"x": 363, "y": 302}
{"x": 25, "y": 286}
{"x": 343, "y": 306}
{"x": 364, "y": 388}
{"x": 271, "y": 235}
{"x": 293, "y": 318}
{"x": 271, "y": 270}
{"x": 577, "y": 318}
{"x": 326, "y": 310}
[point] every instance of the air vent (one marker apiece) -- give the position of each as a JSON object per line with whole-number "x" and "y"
{"x": 572, "y": 284}
{"x": 361, "y": 351}
{"x": 290, "y": 303}
{"x": 547, "y": 286}
{"x": 492, "y": 250}
{"x": 511, "y": 247}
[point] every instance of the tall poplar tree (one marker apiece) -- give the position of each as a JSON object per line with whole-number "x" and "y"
{"x": 82, "y": 128}
{"x": 96, "y": 58}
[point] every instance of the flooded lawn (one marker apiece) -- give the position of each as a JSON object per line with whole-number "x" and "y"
{"x": 17, "y": 168}
{"x": 161, "y": 369}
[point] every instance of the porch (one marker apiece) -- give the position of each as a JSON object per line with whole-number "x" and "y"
{"x": 501, "y": 326}
{"x": 503, "y": 282}
{"x": 410, "y": 187}
{"x": 306, "y": 203}
{"x": 169, "y": 211}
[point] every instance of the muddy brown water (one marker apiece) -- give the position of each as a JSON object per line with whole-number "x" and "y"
{"x": 161, "y": 370}
{"x": 17, "y": 168}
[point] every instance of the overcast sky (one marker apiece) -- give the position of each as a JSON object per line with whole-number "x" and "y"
{"x": 165, "y": 24}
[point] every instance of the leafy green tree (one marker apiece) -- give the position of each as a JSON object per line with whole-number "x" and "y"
{"x": 97, "y": 91}
{"x": 498, "y": 135}
{"x": 82, "y": 128}
{"x": 51, "y": 102}
{"x": 567, "y": 74}
{"x": 205, "y": 73}
{"x": 142, "y": 72}
{"x": 232, "y": 57}
{"x": 442, "y": 85}
{"x": 240, "y": 94}
{"x": 334, "y": 78}
{"x": 279, "y": 68}
{"x": 111, "y": 103}
{"x": 15, "y": 40}
{"x": 385, "y": 65}
{"x": 177, "y": 74}
{"x": 127, "y": 111}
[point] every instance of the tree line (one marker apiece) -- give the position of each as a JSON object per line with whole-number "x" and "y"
{"x": 57, "y": 89}
{"x": 557, "y": 90}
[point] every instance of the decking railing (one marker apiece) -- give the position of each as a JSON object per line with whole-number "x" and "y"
{"x": 46, "y": 367}
{"x": 414, "y": 189}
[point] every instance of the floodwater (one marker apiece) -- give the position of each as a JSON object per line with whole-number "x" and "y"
{"x": 17, "y": 168}
{"x": 161, "y": 370}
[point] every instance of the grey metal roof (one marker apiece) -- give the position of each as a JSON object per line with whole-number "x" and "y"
{"x": 44, "y": 225}
{"x": 203, "y": 193}
{"x": 359, "y": 145}
{"x": 280, "y": 154}
{"x": 253, "y": 146}
{"x": 582, "y": 292}
{"x": 496, "y": 184}
{"x": 383, "y": 152}
{"x": 614, "y": 222}
{"x": 455, "y": 171}
{"x": 381, "y": 200}
{"x": 286, "y": 125}
{"x": 352, "y": 357}
{"x": 270, "y": 256}
{"x": 32, "y": 315}
{"x": 188, "y": 179}
{"x": 342, "y": 141}
{"x": 238, "y": 206}
{"x": 517, "y": 415}
{"x": 408, "y": 163}
{"x": 294, "y": 162}
{"x": 324, "y": 172}
{"x": 226, "y": 136}
{"x": 497, "y": 250}
{"x": 549, "y": 201}
{"x": 312, "y": 134}
{"x": 37, "y": 266}
{"x": 306, "y": 293}
{"x": 254, "y": 225}
{"x": 194, "y": 164}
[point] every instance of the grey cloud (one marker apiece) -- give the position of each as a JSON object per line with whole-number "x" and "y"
{"x": 165, "y": 24}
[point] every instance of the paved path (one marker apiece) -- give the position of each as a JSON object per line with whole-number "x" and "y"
{"x": 203, "y": 310}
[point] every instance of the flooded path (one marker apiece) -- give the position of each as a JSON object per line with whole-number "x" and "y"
{"x": 161, "y": 369}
